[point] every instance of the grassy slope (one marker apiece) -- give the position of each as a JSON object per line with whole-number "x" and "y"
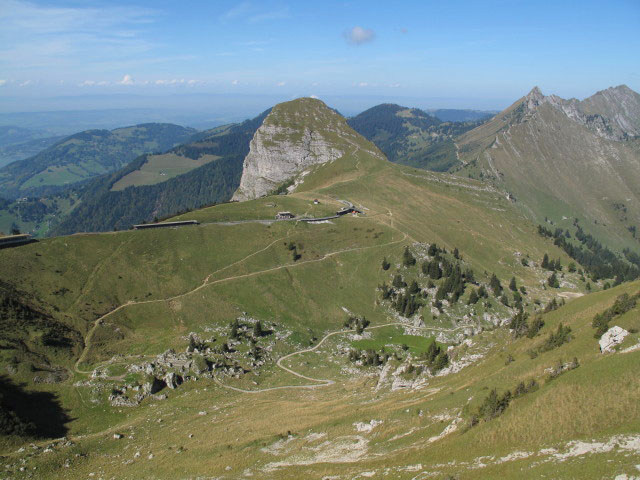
{"x": 247, "y": 268}
{"x": 160, "y": 168}
{"x": 560, "y": 170}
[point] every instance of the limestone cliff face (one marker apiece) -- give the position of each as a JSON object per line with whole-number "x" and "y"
{"x": 295, "y": 136}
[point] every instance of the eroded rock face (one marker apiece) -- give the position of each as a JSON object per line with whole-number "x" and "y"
{"x": 612, "y": 337}
{"x": 294, "y": 137}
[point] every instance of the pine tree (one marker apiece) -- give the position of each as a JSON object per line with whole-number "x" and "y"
{"x": 414, "y": 288}
{"x": 553, "y": 281}
{"x": 407, "y": 259}
{"x": 456, "y": 253}
{"x": 398, "y": 282}
{"x": 385, "y": 264}
{"x": 433, "y": 249}
{"x": 473, "y": 298}
{"x": 257, "y": 330}
{"x": 434, "y": 269}
{"x": 512, "y": 285}
{"x": 545, "y": 261}
{"x": 495, "y": 285}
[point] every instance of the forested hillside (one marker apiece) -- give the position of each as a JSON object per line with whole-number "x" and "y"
{"x": 85, "y": 155}
{"x": 410, "y": 136}
{"x": 102, "y": 208}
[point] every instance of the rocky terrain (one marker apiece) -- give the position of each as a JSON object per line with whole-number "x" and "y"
{"x": 294, "y": 137}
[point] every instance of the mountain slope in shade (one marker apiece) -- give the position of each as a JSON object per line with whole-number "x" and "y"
{"x": 85, "y": 155}
{"x": 565, "y": 159}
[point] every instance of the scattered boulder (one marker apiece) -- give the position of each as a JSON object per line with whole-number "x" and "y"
{"x": 172, "y": 380}
{"x": 612, "y": 337}
{"x": 152, "y": 385}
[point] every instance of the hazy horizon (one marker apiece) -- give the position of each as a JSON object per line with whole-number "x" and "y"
{"x": 69, "y": 55}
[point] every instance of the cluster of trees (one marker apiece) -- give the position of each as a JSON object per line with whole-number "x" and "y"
{"x": 494, "y": 404}
{"x": 551, "y": 265}
{"x": 356, "y": 323}
{"x": 622, "y": 304}
{"x": 521, "y": 327}
{"x": 435, "y": 357}
{"x": 238, "y": 330}
{"x": 368, "y": 357}
{"x": 555, "y": 339}
{"x": 597, "y": 260}
{"x": 406, "y": 304}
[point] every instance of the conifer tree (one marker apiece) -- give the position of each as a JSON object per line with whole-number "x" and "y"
{"x": 495, "y": 285}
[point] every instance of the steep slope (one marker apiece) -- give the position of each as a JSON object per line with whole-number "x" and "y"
{"x": 620, "y": 105}
{"x": 294, "y": 137}
{"x": 139, "y": 193}
{"x": 86, "y": 155}
{"x": 410, "y": 136}
{"x": 561, "y": 163}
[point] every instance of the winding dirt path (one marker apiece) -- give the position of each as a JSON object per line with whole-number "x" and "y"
{"x": 207, "y": 282}
{"x": 321, "y": 382}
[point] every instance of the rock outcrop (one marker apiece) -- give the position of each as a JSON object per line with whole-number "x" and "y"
{"x": 294, "y": 137}
{"x": 611, "y": 338}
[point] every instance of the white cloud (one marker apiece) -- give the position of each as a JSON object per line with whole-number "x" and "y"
{"x": 363, "y": 84}
{"x": 315, "y": 96}
{"x": 87, "y": 83}
{"x": 282, "y": 84}
{"x": 358, "y": 35}
{"x": 26, "y": 83}
{"x": 235, "y": 82}
{"x": 3, "y": 82}
{"x": 127, "y": 80}
{"x": 395, "y": 85}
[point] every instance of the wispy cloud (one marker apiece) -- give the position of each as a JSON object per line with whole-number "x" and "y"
{"x": 279, "y": 14}
{"x": 358, "y": 35}
{"x": 34, "y": 35}
{"x": 254, "y": 13}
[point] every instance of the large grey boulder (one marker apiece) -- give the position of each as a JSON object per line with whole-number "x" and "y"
{"x": 612, "y": 337}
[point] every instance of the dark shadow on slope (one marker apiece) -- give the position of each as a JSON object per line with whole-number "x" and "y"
{"x": 30, "y": 414}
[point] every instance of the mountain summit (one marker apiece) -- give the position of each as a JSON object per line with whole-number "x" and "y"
{"x": 295, "y": 136}
{"x": 565, "y": 159}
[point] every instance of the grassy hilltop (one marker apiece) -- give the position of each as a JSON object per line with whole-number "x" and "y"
{"x": 88, "y": 314}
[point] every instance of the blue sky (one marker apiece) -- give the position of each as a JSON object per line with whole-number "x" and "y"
{"x": 485, "y": 52}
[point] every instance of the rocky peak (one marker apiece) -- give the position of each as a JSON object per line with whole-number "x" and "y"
{"x": 534, "y": 98}
{"x": 294, "y": 137}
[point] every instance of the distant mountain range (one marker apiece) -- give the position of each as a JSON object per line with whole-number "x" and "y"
{"x": 564, "y": 162}
{"x": 85, "y": 155}
{"x": 410, "y": 136}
